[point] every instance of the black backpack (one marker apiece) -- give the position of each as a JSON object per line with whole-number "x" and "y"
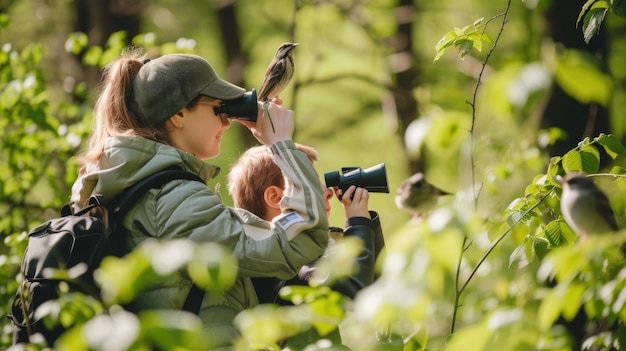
{"x": 85, "y": 237}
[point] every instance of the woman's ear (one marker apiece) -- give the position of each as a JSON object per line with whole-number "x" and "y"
{"x": 272, "y": 196}
{"x": 177, "y": 120}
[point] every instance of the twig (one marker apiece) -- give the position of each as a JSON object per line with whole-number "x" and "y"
{"x": 478, "y": 83}
{"x": 459, "y": 290}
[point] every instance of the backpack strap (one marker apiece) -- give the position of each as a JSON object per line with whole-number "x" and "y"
{"x": 123, "y": 203}
{"x": 194, "y": 299}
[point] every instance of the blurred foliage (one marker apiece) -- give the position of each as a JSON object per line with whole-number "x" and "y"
{"x": 499, "y": 262}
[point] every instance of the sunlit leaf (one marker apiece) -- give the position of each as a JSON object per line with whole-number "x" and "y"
{"x": 559, "y": 233}
{"x": 519, "y": 255}
{"x": 171, "y": 330}
{"x": 213, "y": 268}
{"x": 4, "y": 20}
{"x": 576, "y": 67}
{"x": 549, "y": 309}
{"x": 471, "y": 338}
{"x": 92, "y": 56}
{"x": 136, "y": 269}
{"x": 503, "y": 317}
{"x": 540, "y": 247}
{"x": 593, "y": 20}
{"x": 447, "y": 133}
{"x": 586, "y": 160}
{"x": 584, "y": 10}
{"x": 444, "y": 43}
{"x": 267, "y": 324}
{"x": 339, "y": 261}
{"x": 328, "y": 313}
{"x": 572, "y": 300}
{"x": 463, "y": 47}
{"x": 76, "y": 42}
{"x": 611, "y": 145}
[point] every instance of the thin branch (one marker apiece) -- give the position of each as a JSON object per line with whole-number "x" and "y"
{"x": 487, "y": 253}
{"x": 459, "y": 290}
{"x": 478, "y": 83}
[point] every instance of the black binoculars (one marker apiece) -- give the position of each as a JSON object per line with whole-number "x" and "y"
{"x": 244, "y": 108}
{"x": 374, "y": 179}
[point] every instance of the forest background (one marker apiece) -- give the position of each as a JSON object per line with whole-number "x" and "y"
{"x": 367, "y": 90}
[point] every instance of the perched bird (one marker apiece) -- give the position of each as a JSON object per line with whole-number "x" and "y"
{"x": 278, "y": 73}
{"x": 417, "y": 196}
{"x": 585, "y": 207}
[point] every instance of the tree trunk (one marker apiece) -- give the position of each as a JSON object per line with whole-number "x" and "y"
{"x": 227, "y": 16}
{"x": 101, "y": 18}
{"x": 405, "y": 79}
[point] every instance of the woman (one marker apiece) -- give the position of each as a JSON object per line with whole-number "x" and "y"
{"x": 152, "y": 115}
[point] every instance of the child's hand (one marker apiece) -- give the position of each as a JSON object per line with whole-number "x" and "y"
{"x": 354, "y": 201}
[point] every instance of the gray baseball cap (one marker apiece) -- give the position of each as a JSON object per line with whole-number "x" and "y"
{"x": 165, "y": 85}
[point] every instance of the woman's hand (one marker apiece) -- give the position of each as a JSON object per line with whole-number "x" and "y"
{"x": 272, "y": 114}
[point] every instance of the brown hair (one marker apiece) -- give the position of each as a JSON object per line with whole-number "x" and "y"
{"x": 253, "y": 172}
{"x": 112, "y": 117}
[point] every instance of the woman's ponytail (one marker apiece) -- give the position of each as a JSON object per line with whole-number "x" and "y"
{"x": 111, "y": 112}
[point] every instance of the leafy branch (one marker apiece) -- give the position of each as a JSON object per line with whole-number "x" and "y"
{"x": 459, "y": 290}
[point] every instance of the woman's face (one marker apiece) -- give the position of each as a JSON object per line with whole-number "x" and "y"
{"x": 203, "y": 129}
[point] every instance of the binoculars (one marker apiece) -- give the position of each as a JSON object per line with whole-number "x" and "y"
{"x": 374, "y": 179}
{"x": 243, "y": 108}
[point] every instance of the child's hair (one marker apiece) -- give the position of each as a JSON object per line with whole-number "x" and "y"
{"x": 112, "y": 116}
{"x": 255, "y": 171}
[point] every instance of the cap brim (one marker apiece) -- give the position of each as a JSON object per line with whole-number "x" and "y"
{"x": 221, "y": 89}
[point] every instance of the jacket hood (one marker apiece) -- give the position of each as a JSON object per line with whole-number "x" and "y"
{"x": 126, "y": 160}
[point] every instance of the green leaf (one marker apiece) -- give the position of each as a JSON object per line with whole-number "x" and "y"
{"x": 170, "y": 329}
{"x": 76, "y": 42}
{"x": 4, "y": 20}
{"x": 559, "y": 233}
{"x": 572, "y": 300}
{"x": 444, "y": 43}
{"x": 549, "y": 309}
{"x": 584, "y": 10}
{"x": 586, "y": 160}
{"x": 213, "y": 267}
{"x": 447, "y": 133}
{"x": 619, "y": 7}
{"x": 330, "y": 311}
{"x": 476, "y": 41}
{"x": 592, "y": 22}
{"x": 519, "y": 254}
{"x": 92, "y": 56}
{"x": 472, "y": 338}
{"x": 540, "y": 247}
{"x": 463, "y": 47}
{"x": 581, "y": 76}
{"x": 611, "y": 145}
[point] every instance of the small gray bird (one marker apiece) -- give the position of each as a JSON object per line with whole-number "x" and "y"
{"x": 278, "y": 73}
{"x": 417, "y": 196}
{"x": 585, "y": 207}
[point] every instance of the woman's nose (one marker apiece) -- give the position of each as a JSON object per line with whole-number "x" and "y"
{"x": 225, "y": 121}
